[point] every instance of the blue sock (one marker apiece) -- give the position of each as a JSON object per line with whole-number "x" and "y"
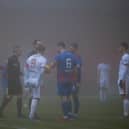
{"x": 69, "y": 107}
{"x": 65, "y": 108}
{"x": 76, "y": 104}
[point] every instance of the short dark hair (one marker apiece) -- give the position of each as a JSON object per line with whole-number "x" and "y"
{"x": 74, "y": 45}
{"x": 35, "y": 41}
{"x": 40, "y": 48}
{"x": 61, "y": 44}
{"x": 125, "y": 45}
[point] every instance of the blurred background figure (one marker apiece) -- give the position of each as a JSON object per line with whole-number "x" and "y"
{"x": 14, "y": 82}
{"x": 103, "y": 79}
{"x": 4, "y": 81}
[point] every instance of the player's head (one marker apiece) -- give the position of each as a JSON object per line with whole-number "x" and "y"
{"x": 74, "y": 47}
{"x": 36, "y": 43}
{"x": 124, "y": 46}
{"x": 17, "y": 50}
{"x": 40, "y": 48}
{"x": 61, "y": 46}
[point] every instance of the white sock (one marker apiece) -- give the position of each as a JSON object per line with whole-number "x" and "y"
{"x": 34, "y": 105}
{"x": 126, "y": 107}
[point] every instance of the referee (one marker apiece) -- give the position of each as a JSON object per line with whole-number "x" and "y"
{"x": 14, "y": 82}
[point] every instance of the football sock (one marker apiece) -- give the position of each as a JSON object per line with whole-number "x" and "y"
{"x": 126, "y": 107}
{"x": 30, "y": 100}
{"x": 19, "y": 106}
{"x": 34, "y": 105}
{"x": 100, "y": 95}
{"x": 76, "y": 103}
{"x": 70, "y": 107}
{"x": 65, "y": 108}
{"x": 105, "y": 95}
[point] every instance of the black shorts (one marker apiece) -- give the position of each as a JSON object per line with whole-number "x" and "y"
{"x": 14, "y": 87}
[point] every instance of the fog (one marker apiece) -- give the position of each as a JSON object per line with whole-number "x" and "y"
{"x": 97, "y": 25}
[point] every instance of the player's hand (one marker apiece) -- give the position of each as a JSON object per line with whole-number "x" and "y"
{"x": 47, "y": 68}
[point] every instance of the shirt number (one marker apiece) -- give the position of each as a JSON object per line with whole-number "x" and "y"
{"x": 68, "y": 63}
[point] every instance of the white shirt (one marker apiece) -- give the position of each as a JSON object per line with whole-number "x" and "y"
{"x": 103, "y": 71}
{"x": 34, "y": 69}
{"x": 124, "y": 67}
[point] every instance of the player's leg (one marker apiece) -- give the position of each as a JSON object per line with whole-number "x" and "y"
{"x": 19, "y": 106}
{"x": 102, "y": 91}
{"x": 26, "y": 96}
{"x": 69, "y": 105}
{"x": 63, "y": 98}
{"x": 76, "y": 102}
{"x": 126, "y": 101}
{"x": 101, "y": 94}
{"x": 68, "y": 99}
{"x": 125, "y": 106}
{"x": 4, "y": 87}
{"x": 30, "y": 101}
{"x": 65, "y": 106}
{"x": 7, "y": 98}
{"x": 5, "y": 101}
{"x": 106, "y": 90}
{"x": 124, "y": 95}
{"x": 29, "y": 105}
{"x": 18, "y": 91}
{"x": 34, "y": 103}
{"x": 34, "y": 106}
{"x": 105, "y": 94}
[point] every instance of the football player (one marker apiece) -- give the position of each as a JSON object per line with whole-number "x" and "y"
{"x": 34, "y": 70}
{"x": 66, "y": 64}
{"x": 123, "y": 78}
{"x": 103, "y": 76}
{"x": 75, "y": 93}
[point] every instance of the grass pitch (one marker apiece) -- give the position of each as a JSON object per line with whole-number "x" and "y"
{"x": 93, "y": 115}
